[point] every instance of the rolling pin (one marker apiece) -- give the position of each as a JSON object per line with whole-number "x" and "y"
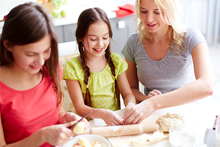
{"x": 123, "y": 130}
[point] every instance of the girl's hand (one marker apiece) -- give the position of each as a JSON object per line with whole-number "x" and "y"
{"x": 111, "y": 118}
{"x": 135, "y": 114}
{"x": 57, "y": 134}
{"x": 70, "y": 116}
{"x": 154, "y": 93}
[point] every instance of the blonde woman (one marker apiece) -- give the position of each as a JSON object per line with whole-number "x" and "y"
{"x": 170, "y": 60}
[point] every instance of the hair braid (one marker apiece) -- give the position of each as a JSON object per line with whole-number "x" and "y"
{"x": 112, "y": 66}
{"x": 86, "y": 74}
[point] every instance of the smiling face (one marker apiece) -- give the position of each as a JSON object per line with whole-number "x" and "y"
{"x": 31, "y": 57}
{"x": 150, "y": 16}
{"x": 96, "y": 40}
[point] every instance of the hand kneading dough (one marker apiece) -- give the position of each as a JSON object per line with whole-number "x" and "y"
{"x": 165, "y": 121}
{"x": 79, "y": 128}
{"x": 83, "y": 142}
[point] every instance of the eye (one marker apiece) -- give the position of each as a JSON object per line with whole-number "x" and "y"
{"x": 48, "y": 50}
{"x": 143, "y": 11}
{"x": 105, "y": 38}
{"x": 156, "y": 12}
{"x": 93, "y": 39}
{"x": 30, "y": 54}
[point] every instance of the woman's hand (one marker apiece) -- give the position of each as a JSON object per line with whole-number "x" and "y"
{"x": 56, "y": 134}
{"x": 154, "y": 93}
{"x": 110, "y": 117}
{"x": 70, "y": 116}
{"x": 135, "y": 114}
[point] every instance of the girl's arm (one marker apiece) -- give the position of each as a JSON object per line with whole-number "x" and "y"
{"x": 55, "y": 135}
{"x": 76, "y": 95}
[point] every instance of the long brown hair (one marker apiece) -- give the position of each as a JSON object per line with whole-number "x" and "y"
{"x": 25, "y": 24}
{"x": 86, "y": 18}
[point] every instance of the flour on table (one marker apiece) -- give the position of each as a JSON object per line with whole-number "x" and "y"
{"x": 165, "y": 121}
{"x": 157, "y": 135}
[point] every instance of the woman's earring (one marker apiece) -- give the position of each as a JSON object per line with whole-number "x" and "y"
{"x": 83, "y": 48}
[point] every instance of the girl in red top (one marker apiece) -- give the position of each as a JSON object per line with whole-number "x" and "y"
{"x": 31, "y": 106}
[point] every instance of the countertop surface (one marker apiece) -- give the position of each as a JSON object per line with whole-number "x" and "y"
{"x": 201, "y": 113}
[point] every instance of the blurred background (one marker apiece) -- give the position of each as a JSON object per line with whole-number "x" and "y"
{"x": 201, "y": 14}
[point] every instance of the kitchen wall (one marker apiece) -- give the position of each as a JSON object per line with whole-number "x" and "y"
{"x": 202, "y": 14}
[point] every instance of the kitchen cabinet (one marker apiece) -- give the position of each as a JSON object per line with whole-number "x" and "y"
{"x": 122, "y": 28}
{"x": 69, "y": 32}
{"x": 59, "y": 30}
{"x": 120, "y": 35}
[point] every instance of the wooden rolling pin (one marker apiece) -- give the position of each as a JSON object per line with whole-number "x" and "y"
{"x": 122, "y": 130}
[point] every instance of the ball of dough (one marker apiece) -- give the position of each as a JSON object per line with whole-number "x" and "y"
{"x": 165, "y": 121}
{"x": 83, "y": 142}
{"x": 79, "y": 128}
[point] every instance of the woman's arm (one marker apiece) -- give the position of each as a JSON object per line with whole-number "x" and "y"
{"x": 125, "y": 89}
{"x": 76, "y": 95}
{"x": 200, "y": 88}
{"x": 131, "y": 74}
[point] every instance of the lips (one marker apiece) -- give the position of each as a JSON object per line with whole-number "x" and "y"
{"x": 98, "y": 49}
{"x": 35, "y": 67}
{"x": 151, "y": 25}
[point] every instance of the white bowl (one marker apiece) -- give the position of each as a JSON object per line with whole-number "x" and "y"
{"x": 90, "y": 138}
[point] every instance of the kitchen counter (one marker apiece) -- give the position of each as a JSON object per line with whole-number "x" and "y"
{"x": 74, "y": 8}
{"x": 72, "y": 19}
{"x": 200, "y": 113}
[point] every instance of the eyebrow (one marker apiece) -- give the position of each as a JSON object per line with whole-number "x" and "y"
{"x": 145, "y": 9}
{"x": 34, "y": 52}
{"x": 96, "y": 35}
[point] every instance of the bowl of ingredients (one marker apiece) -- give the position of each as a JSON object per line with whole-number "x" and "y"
{"x": 87, "y": 140}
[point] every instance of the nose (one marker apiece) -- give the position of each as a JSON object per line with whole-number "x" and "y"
{"x": 150, "y": 17}
{"x": 40, "y": 60}
{"x": 100, "y": 42}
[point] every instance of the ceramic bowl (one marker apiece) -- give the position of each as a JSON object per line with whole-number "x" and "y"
{"x": 90, "y": 138}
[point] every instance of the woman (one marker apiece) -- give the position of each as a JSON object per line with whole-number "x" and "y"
{"x": 170, "y": 60}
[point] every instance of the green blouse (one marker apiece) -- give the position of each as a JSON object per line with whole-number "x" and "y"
{"x": 101, "y": 85}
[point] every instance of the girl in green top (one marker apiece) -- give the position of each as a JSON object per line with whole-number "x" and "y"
{"x": 95, "y": 78}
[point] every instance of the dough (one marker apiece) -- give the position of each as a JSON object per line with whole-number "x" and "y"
{"x": 83, "y": 142}
{"x": 157, "y": 135}
{"x": 165, "y": 121}
{"x": 79, "y": 128}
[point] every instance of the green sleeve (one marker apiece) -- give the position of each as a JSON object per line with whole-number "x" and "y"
{"x": 70, "y": 70}
{"x": 120, "y": 64}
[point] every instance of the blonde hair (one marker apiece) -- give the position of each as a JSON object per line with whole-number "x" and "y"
{"x": 170, "y": 17}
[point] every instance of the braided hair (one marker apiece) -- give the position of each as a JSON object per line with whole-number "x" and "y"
{"x": 86, "y": 18}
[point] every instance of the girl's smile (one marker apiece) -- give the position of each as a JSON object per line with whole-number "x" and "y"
{"x": 97, "y": 40}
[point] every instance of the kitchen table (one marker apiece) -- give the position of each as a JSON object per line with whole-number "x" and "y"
{"x": 201, "y": 113}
